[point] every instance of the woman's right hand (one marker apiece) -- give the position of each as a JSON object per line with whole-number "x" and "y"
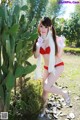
{"x": 39, "y": 42}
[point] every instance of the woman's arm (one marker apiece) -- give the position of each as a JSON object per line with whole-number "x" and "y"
{"x": 60, "y": 45}
{"x": 60, "y": 52}
{"x": 36, "y": 53}
{"x": 36, "y": 47}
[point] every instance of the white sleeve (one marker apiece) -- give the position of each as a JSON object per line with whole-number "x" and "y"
{"x": 60, "y": 41}
{"x": 39, "y": 42}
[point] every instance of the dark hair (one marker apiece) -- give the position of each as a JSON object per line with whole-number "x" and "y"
{"x": 46, "y": 21}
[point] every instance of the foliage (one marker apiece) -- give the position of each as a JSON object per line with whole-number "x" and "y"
{"x": 75, "y": 51}
{"x": 27, "y": 104}
{"x": 53, "y": 9}
{"x": 77, "y": 9}
{"x": 70, "y": 29}
{"x": 36, "y": 9}
{"x": 59, "y": 23}
{"x": 13, "y": 62}
{"x": 50, "y": 8}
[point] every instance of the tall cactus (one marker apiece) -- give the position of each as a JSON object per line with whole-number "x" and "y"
{"x": 12, "y": 50}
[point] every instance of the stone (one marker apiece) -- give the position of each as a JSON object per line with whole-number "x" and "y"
{"x": 71, "y": 116}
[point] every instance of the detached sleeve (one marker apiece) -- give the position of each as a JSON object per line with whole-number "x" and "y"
{"x": 60, "y": 41}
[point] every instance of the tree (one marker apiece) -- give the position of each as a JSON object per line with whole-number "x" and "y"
{"x": 59, "y": 23}
{"x": 13, "y": 62}
{"x": 77, "y": 9}
{"x": 72, "y": 29}
{"x": 53, "y": 9}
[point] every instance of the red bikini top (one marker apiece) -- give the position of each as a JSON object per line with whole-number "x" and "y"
{"x": 45, "y": 51}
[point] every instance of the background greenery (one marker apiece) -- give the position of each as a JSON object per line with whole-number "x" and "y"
{"x": 18, "y": 31}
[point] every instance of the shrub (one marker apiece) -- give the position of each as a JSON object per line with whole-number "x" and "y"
{"x": 72, "y": 50}
{"x": 28, "y": 103}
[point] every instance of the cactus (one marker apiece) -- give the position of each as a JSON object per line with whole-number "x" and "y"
{"x": 15, "y": 49}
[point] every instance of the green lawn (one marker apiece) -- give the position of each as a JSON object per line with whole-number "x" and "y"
{"x": 70, "y": 79}
{"x": 71, "y": 74}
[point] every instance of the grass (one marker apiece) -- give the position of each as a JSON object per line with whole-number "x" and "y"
{"x": 71, "y": 74}
{"x": 71, "y": 80}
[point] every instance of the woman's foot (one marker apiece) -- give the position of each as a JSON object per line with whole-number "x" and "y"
{"x": 42, "y": 114}
{"x": 67, "y": 99}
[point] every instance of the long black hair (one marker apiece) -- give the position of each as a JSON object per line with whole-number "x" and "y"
{"x": 46, "y": 21}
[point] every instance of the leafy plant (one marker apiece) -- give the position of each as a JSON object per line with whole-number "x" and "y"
{"x": 15, "y": 49}
{"x": 28, "y": 104}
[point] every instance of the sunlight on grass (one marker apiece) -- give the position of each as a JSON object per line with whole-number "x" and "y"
{"x": 71, "y": 74}
{"x": 69, "y": 80}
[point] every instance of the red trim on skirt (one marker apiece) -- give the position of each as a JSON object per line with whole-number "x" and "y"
{"x": 59, "y": 64}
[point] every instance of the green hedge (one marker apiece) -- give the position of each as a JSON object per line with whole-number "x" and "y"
{"x": 28, "y": 103}
{"x": 72, "y": 50}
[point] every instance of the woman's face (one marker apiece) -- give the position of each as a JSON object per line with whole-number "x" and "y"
{"x": 43, "y": 30}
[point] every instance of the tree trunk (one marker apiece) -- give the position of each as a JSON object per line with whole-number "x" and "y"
{"x": 1, "y": 105}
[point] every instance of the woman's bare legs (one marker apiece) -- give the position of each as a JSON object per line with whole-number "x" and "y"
{"x": 49, "y": 87}
{"x": 49, "y": 83}
{"x": 45, "y": 93}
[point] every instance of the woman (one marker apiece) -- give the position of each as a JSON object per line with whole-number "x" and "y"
{"x": 51, "y": 48}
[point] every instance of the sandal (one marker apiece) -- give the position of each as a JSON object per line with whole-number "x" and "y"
{"x": 67, "y": 100}
{"x": 42, "y": 114}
